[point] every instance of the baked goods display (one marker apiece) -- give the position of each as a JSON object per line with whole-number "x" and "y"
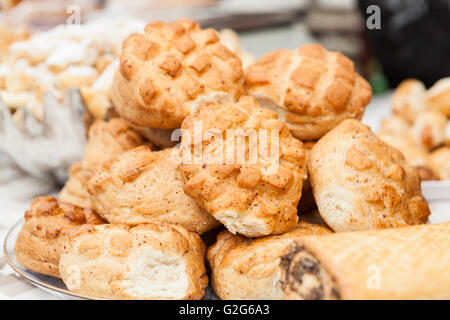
{"x": 360, "y": 182}
{"x": 402, "y": 263}
{"x": 142, "y": 186}
{"x": 243, "y": 268}
{"x": 310, "y": 88}
{"x": 151, "y": 261}
{"x": 420, "y": 125}
{"x": 41, "y": 240}
{"x": 133, "y": 218}
{"x": 256, "y": 196}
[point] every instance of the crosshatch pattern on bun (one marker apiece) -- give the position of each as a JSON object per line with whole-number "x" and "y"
{"x": 40, "y": 242}
{"x": 360, "y": 182}
{"x": 166, "y": 73}
{"x": 310, "y": 88}
{"x": 142, "y": 186}
{"x": 149, "y": 261}
{"x": 255, "y": 197}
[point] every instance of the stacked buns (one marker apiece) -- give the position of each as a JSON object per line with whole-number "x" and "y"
{"x": 420, "y": 126}
{"x": 241, "y": 165}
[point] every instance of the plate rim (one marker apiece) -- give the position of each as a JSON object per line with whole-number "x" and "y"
{"x": 37, "y": 283}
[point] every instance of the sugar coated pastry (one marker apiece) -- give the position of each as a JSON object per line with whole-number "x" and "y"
{"x": 75, "y": 189}
{"x": 244, "y": 268}
{"x": 440, "y": 162}
{"x": 360, "y": 182}
{"x": 149, "y": 261}
{"x": 40, "y": 242}
{"x": 402, "y": 263}
{"x": 408, "y": 99}
{"x": 310, "y": 88}
{"x": 107, "y": 139}
{"x": 252, "y": 186}
{"x": 141, "y": 186}
{"x": 428, "y": 129}
{"x": 438, "y": 96}
{"x": 168, "y": 72}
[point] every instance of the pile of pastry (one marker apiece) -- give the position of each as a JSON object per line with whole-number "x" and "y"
{"x": 258, "y": 149}
{"x": 420, "y": 127}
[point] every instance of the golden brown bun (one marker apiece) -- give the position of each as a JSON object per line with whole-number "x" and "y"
{"x": 106, "y": 140}
{"x": 40, "y": 242}
{"x": 75, "y": 189}
{"x": 408, "y": 99}
{"x": 440, "y": 162}
{"x": 438, "y": 96}
{"x": 403, "y": 263}
{"x": 360, "y": 182}
{"x": 149, "y": 261}
{"x": 253, "y": 197}
{"x": 310, "y": 88}
{"x": 142, "y": 186}
{"x": 244, "y": 268}
{"x": 166, "y": 73}
{"x": 428, "y": 129}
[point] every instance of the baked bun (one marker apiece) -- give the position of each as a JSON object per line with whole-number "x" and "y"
{"x": 106, "y": 140}
{"x": 243, "y": 268}
{"x": 360, "y": 182}
{"x": 310, "y": 88}
{"x": 395, "y": 125}
{"x": 447, "y": 133}
{"x": 141, "y": 186}
{"x": 74, "y": 190}
{"x": 39, "y": 244}
{"x": 438, "y": 96}
{"x": 428, "y": 129}
{"x": 160, "y": 138}
{"x": 149, "y": 261}
{"x": 252, "y": 192}
{"x": 440, "y": 162}
{"x": 166, "y": 73}
{"x": 408, "y": 99}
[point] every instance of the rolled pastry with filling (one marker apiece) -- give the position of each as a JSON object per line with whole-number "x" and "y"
{"x": 404, "y": 263}
{"x": 245, "y": 268}
{"x": 149, "y": 261}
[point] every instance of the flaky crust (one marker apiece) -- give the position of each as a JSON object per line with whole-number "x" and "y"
{"x": 401, "y": 263}
{"x": 118, "y": 261}
{"x": 408, "y": 99}
{"x": 360, "y": 182}
{"x": 438, "y": 97}
{"x": 440, "y": 162}
{"x": 75, "y": 189}
{"x": 310, "y": 88}
{"x": 245, "y": 268}
{"x": 40, "y": 242}
{"x": 106, "y": 140}
{"x": 254, "y": 197}
{"x": 141, "y": 186}
{"x": 166, "y": 73}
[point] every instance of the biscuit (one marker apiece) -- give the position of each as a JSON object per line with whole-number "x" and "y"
{"x": 440, "y": 162}
{"x": 168, "y": 72}
{"x": 141, "y": 186}
{"x": 428, "y": 129}
{"x": 106, "y": 140}
{"x": 245, "y": 169}
{"x": 74, "y": 190}
{"x": 243, "y": 268}
{"x": 438, "y": 97}
{"x": 360, "y": 182}
{"x": 40, "y": 242}
{"x": 408, "y": 99}
{"x": 149, "y": 261}
{"x": 310, "y": 88}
